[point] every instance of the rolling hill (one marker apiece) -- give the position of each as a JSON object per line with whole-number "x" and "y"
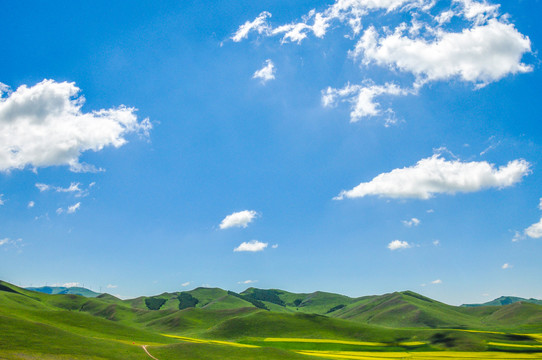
{"x": 236, "y": 325}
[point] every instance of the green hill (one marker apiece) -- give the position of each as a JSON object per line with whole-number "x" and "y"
{"x": 505, "y": 300}
{"x": 65, "y": 290}
{"x": 215, "y": 323}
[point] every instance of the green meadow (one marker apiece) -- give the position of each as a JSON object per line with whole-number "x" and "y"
{"x": 208, "y": 323}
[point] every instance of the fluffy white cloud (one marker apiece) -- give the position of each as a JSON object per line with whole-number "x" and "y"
{"x": 238, "y": 219}
{"x": 43, "y": 125}
{"x": 266, "y": 73}
{"x": 398, "y": 244}
{"x": 535, "y": 230}
{"x": 259, "y": 25}
{"x": 412, "y": 222}
{"x": 109, "y": 286}
{"x": 362, "y": 98}
{"x": 481, "y": 54}
{"x": 252, "y": 246}
{"x": 506, "y": 266}
{"x": 185, "y": 284}
{"x": 31, "y": 204}
{"x": 436, "y": 175}
{"x": 481, "y": 48}
{"x": 436, "y": 282}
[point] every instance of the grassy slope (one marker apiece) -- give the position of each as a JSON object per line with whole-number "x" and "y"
{"x": 104, "y": 327}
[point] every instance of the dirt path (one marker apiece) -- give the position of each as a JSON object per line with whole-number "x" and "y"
{"x": 147, "y": 351}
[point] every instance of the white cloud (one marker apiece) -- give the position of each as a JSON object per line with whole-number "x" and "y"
{"x": 436, "y": 282}
{"x": 185, "y": 284}
{"x": 480, "y": 55}
{"x": 252, "y": 246}
{"x": 71, "y": 284}
{"x": 109, "y": 286}
{"x": 59, "y": 211}
{"x": 518, "y": 236}
{"x": 274, "y": 246}
{"x": 238, "y": 219}
{"x": 436, "y": 242}
{"x": 246, "y": 282}
{"x": 436, "y": 175}
{"x": 412, "y": 222}
{"x": 506, "y": 266}
{"x": 266, "y": 73}
{"x": 72, "y": 209}
{"x": 362, "y": 98}
{"x": 398, "y": 244}
{"x": 43, "y": 125}
{"x": 259, "y": 25}
{"x": 73, "y": 188}
{"x": 430, "y": 211}
{"x": 31, "y": 204}
{"x": 481, "y": 48}
{"x": 535, "y": 230}
{"x": 2, "y": 201}
{"x": 43, "y": 187}
{"x": 540, "y": 204}
{"x": 7, "y": 242}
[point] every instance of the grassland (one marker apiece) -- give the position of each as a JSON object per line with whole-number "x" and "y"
{"x": 262, "y": 324}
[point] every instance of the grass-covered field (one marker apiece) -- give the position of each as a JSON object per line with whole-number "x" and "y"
{"x": 261, "y": 324}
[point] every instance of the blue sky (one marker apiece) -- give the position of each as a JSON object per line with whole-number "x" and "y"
{"x": 356, "y": 146}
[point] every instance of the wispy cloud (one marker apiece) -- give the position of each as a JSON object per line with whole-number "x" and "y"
{"x": 427, "y": 45}
{"x": 246, "y": 282}
{"x": 506, "y": 266}
{"x": 412, "y": 222}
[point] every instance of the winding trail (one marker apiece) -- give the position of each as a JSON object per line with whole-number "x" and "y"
{"x": 147, "y": 351}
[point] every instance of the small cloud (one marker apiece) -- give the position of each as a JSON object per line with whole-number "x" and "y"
{"x": 72, "y": 209}
{"x": 540, "y": 204}
{"x": 71, "y": 284}
{"x": 266, "y": 73}
{"x": 238, "y": 219}
{"x": 507, "y": 266}
{"x": 43, "y": 187}
{"x": 430, "y": 211}
{"x": 246, "y": 282}
{"x": 7, "y": 242}
{"x": 59, "y": 211}
{"x": 109, "y": 286}
{"x": 436, "y": 282}
{"x": 535, "y": 230}
{"x": 398, "y": 244}
{"x": 436, "y": 242}
{"x": 252, "y": 246}
{"x": 31, "y": 204}
{"x": 423, "y": 285}
{"x": 274, "y": 246}
{"x": 412, "y": 222}
{"x": 518, "y": 236}
{"x": 185, "y": 284}
{"x": 2, "y": 201}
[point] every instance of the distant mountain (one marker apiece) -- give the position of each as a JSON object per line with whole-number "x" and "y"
{"x": 53, "y": 290}
{"x": 505, "y": 300}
